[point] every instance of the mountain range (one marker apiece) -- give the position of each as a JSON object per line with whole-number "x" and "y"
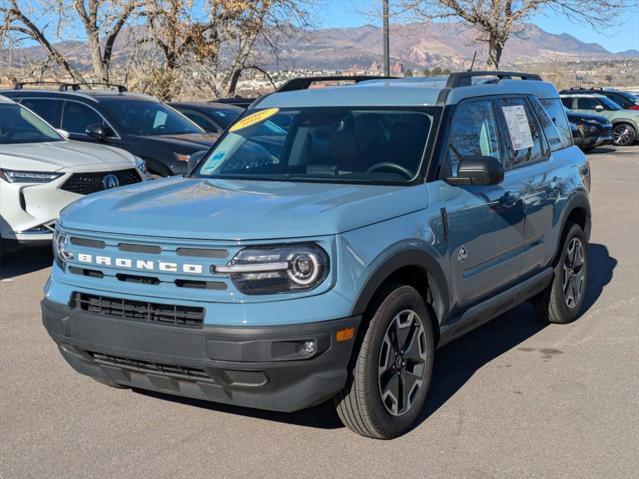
{"x": 413, "y": 46}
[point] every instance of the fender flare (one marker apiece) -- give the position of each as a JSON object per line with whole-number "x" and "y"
{"x": 579, "y": 199}
{"x": 437, "y": 283}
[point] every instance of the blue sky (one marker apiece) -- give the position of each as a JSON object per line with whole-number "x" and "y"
{"x": 349, "y": 13}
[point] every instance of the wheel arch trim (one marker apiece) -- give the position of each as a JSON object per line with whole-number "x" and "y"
{"x": 409, "y": 257}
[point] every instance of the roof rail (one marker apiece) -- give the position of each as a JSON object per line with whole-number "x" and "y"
{"x": 76, "y": 86}
{"x": 62, "y": 86}
{"x": 66, "y": 86}
{"x": 303, "y": 83}
{"x": 459, "y": 79}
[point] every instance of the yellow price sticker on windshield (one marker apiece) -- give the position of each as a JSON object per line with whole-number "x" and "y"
{"x": 256, "y": 117}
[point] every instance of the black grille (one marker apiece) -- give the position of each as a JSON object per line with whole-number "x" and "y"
{"x": 180, "y": 372}
{"x": 85, "y": 183}
{"x": 185, "y": 316}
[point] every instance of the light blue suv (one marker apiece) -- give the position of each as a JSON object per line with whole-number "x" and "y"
{"x": 327, "y": 244}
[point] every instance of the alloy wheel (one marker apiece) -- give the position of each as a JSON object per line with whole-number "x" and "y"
{"x": 622, "y": 135}
{"x": 574, "y": 273}
{"x": 402, "y": 362}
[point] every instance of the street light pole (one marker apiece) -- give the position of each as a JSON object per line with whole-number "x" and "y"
{"x": 386, "y": 39}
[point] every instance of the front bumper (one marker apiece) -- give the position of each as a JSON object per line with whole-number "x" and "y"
{"x": 256, "y": 367}
{"x": 605, "y": 139}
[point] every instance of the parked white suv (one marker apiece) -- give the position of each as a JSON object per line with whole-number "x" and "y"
{"x": 41, "y": 172}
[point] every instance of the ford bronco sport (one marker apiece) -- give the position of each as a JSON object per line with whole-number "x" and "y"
{"x": 327, "y": 244}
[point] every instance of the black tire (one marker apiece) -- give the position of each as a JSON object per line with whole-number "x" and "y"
{"x": 623, "y": 134}
{"x": 553, "y": 305}
{"x": 105, "y": 382}
{"x": 360, "y": 405}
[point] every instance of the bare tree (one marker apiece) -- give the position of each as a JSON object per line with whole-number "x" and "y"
{"x": 496, "y": 20}
{"x": 18, "y": 19}
{"x": 47, "y": 22}
{"x": 103, "y": 18}
{"x": 212, "y": 43}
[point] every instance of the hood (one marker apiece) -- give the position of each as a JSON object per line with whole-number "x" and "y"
{"x": 587, "y": 117}
{"x": 64, "y": 156}
{"x": 184, "y": 143}
{"x": 194, "y": 208}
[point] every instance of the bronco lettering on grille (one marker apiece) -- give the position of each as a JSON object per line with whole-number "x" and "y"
{"x": 149, "y": 265}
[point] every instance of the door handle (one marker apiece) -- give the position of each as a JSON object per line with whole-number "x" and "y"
{"x": 509, "y": 200}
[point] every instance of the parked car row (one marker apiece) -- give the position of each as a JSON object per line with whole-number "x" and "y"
{"x": 42, "y": 171}
{"x": 137, "y": 123}
{"x": 602, "y": 116}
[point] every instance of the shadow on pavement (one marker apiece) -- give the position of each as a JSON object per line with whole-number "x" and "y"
{"x": 22, "y": 260}
{"x": 603, "y": 150}
{"x": 455, "y": 363}
{"x": 601, "y": 266}
{"x": 321, "y": 417}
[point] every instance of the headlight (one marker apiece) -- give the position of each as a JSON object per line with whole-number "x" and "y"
{"x": 14, "y": 176}
{"x": 140, "y": 165}
{"x": 277, "y": 269}
{"x": 60, "y": 255}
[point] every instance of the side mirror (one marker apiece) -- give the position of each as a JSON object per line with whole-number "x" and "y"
{"x": 194, "y": 159}
{"x": 478, "y": 170}
{"x": 96, "y": 131}
{"x": 63, "y": 133}
{"x": 599, "y": 108}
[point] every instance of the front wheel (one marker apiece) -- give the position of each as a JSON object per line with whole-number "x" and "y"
{"x": 562, "y": 300}
{"x": 392, "y": 370}
{"x": 623, "y": 134}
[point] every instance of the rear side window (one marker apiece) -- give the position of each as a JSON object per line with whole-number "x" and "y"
{"x": 557, "y": 114}
{"x": 473, "y": 132}
{"x": 524, "y": 140}
{"x": 77, "y": 117}
{"x": 548, "y": 126}
{"x": 49, "y": 110}
{"x": 567, "y": 102}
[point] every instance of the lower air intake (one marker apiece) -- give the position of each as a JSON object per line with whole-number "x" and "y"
{"x": 174, "y": 315}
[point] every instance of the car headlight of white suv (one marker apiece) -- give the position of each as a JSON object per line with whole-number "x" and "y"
{"x": 16, "y": 176}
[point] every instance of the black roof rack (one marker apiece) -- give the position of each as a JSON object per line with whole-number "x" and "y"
{"x": 67, "y": 86}
{"x": 303, "y": 83}
{"x": 459, "y": 79}
{"x": 62, "y": 86}
{"x": 77, "y": 85}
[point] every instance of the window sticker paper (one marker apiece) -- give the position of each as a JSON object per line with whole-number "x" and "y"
{"x": 518, "y": 127}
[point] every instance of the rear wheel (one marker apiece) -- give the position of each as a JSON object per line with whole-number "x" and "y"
{"x": 391, "y": 372}
{"x": 623, "y": 134}
{"x": 562, "y": 300}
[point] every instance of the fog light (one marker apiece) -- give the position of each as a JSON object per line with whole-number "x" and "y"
{"x": 309, "y": 347}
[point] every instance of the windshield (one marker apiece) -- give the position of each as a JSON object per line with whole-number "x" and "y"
{"x": 148, "y": 118}
{"x": 225, "y": 116}
{"x": 323, "y": 144}
{"x": 19, "y": 125}
{"x": 610, "y": 105}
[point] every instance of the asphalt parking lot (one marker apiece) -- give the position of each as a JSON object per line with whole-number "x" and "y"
{"x": 514, "y": 398}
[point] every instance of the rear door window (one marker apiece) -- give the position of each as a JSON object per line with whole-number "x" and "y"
{"x": 77, "y": 117}
{"x": 523, "y": 138}
{"x": 48, "y": 109}
{"x": 568, "y": 102}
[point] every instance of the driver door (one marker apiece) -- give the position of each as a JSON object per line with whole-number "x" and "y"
{"x": 486, "y": 223}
